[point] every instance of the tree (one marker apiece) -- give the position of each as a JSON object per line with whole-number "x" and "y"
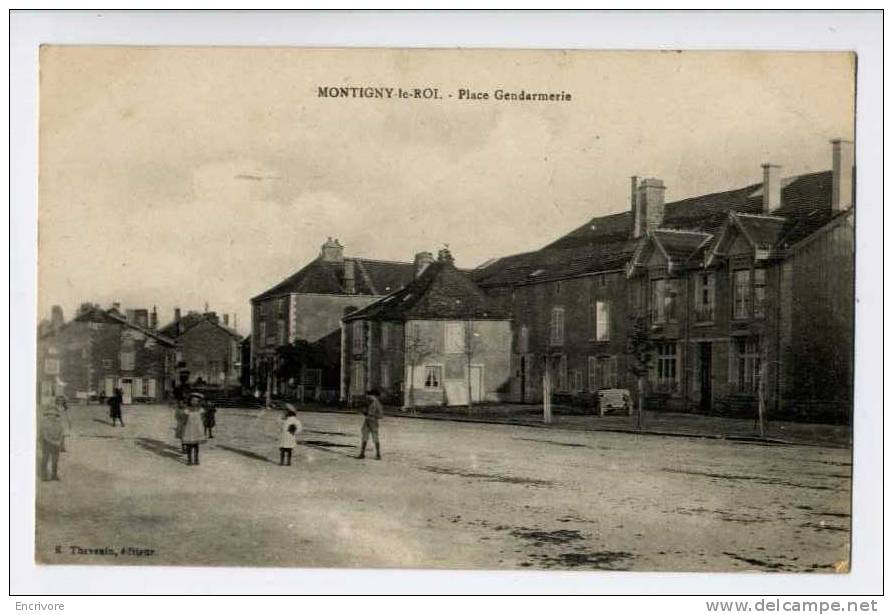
{"x": 640, "y": 349}
{"x": 471, "y": 341}
{"x": 416, "y": 348}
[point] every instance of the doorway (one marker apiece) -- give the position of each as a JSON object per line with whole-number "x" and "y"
{"x": 705, "y": 375}
{"x": 126, "y": 391}
{"x": 523, "y": 378}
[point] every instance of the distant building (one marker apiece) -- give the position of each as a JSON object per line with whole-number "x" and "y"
{"x": 743, "y": 289}
{"x": 101, "y": 350}
{"x": 435, "y": 342}
{"x": 208, "y": 350}
{"x": 304, "y": 312}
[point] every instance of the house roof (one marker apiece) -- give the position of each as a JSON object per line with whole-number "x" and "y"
{"x": 372, "y": 277}
{"x": 111, "y": 316}
{"x": 441, "y": 292}
{"x": 605, "y": 244}
{"x": 192, "y": 319}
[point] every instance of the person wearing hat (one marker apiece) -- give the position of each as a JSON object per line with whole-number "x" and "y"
{"x": 373, "y": 412}
{"x": 180, "y": 421}
{"x": 210, "y": 419}
{"x": 291, "y": 427}
{"x": 62, "y": 409}
{"x": 52, "y": 434}
{"x": 193, "y": 429}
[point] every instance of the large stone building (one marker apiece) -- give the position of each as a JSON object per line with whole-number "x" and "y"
{"x": 439, "y": 341}
{"x": 745, "y": 290}
{"x": 208, "y": 350}
{"x": 101, "y": 350}
{"x": 298, "y": 321}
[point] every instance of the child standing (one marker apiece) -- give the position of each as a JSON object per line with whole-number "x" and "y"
{"x": 193, "y": 430}
{"x": 291, "y": 427}
{"x": 210, "y": 420}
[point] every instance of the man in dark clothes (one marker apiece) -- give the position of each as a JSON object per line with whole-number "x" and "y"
{"x": 52, "y": 433}
{"x": 373, "y": 412}
{"x": 115, "y": 402}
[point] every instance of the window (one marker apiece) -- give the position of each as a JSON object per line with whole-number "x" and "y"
{"x": 576, "y": 379}
{"x": 759, "y": 293}
{"x": 280, "y": 332}
{"x": 137, "y": 387}
{"x": 385, "y": 335}
{"x": 556, "y": 329}
{"x": 593, "y": 374}
{"x": 747, "y": 368}
{"x": 51, "y": 366}
{"x": 602, "y": 320}
{"x": 263, "y": 336}
{"x": 358, "y": 333}
{"x": 311, "y": 377}
{"x": 433, "y": 374}
{"x": 106, "y": 364}
{"x": 663, "y": 300}
{"x": 524, "y": 340}
{"x": 602, "y": 373}
{"x": 385, "y": 376}
{"x": 149, "y": 387}
{"x": 666, "y": 366}
{"x": 705, "y": 297}
{"x": 741, "y": 293}
{"x": 562, "y": 373}
{"x": 281, "y": 307}
{"x": 454, "y": 338}
{"x": 127, "y": 360}
{"x": 358, "y": 379}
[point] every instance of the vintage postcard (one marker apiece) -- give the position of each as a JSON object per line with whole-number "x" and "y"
{"x": 445, "y": 309}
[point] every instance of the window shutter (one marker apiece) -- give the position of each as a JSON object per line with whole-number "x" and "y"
{"x": 733, "y": 363}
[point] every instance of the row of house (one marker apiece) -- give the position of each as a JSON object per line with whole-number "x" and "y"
{"x": 743, "y": 292}
{"x": 101, "y": 350}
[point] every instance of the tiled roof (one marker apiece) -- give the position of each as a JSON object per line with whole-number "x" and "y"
{"x": 681, "y": 245}
{"x": 604, "y": 243}
{"x": 440, "y": 292}
{"x": 111, "y": 316}
{"x": 371, "y": 277}
{"x": 191, "y": 320}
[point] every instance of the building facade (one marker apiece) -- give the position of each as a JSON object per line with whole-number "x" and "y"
{"x": 208, "y": 350}
{"x": 440, "y": 341}
{"x": 296, "y": 325}
{"x": 101, "y": 350}
{"x": 730, "y": 286}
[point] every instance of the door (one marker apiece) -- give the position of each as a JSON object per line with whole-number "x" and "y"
{"x": 477, "y": 383}
{"x": 705, "y": 375}
{"x": 127, "y": 390}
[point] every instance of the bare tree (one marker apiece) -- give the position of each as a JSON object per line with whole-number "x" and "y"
{"x": 416, "y": 348}
{"x": 640, "y": 348}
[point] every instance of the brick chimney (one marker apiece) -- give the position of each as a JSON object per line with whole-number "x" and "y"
{"x": 650, "y": 203}
{"x": 177, "y": 313}
{"x": 445, "y": 256}
{"x": 842, "y": 162}
{"x": 117, "y": 307}
{"x": 141, "y": 318}
{"x": 771, "y": 187}
{"x": 332, "y": 251}
{"x": 350, "y": 279}
{"x": 226, "y": 320}
{"x": 153, "y": 318}
{"x": 638, "y": 220}
{"x": 57, "y": 319}
{"x": 421, "y": 262}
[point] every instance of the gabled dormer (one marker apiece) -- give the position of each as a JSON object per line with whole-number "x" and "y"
{"x": 747, "y": 237}
{"x": 668, "y": 249}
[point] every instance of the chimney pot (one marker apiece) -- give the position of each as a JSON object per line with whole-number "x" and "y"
{"x": 226, "y": 320}
{"x": 332, "y": 251}
{"x": 638, "y": 222}
{"x": 842, "y": 162}
{"x": 771, "y": 187}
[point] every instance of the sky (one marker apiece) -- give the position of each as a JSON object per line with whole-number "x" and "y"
{"x": 176, "y": 177}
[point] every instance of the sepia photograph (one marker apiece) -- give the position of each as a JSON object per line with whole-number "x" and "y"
{"x": 445, "y": 309}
